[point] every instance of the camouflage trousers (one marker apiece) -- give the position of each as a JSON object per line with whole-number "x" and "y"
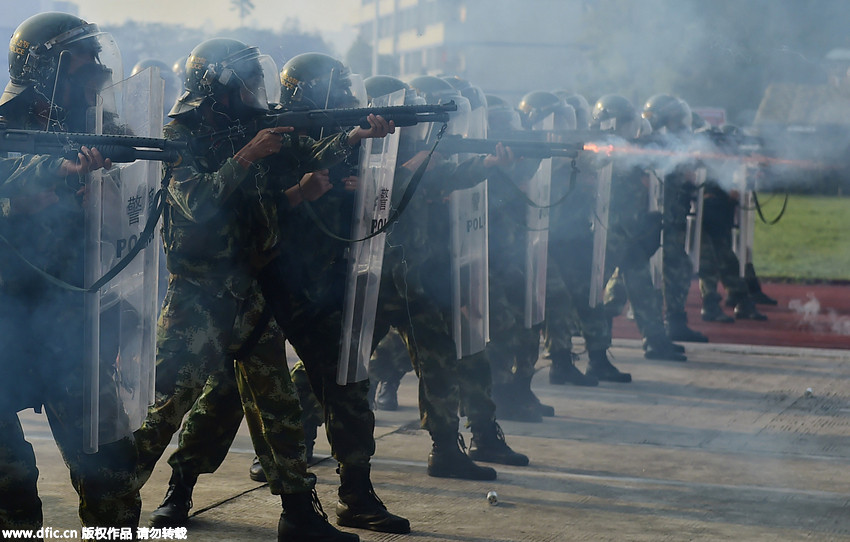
{"x": 104, "y": 480}
{"x": 390, "y": 359}
{"x": 198, "y": 336}
{"x": 719, "y": 263}
{"x": 212, "y": 423}
{"x": 446, "y": 384}
{"x": 349, "y": 421}
{"x": 676, "y": 266}
{"x": 629, "y": 277}
{"x": 568, "y": 278}
{"x": 50, "y": 359}
{"x": 513, "y": 349}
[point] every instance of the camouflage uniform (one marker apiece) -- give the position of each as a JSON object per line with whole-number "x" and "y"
{"x": 314, "y": 272}
{"x": 677, "y": 269}
{"x": 42, "y": 362}
{"x": 718, "y": 262}
{"x": 220, "y": 233}
{"x": 513, "y": 349}
{"x": 570, "y": 256}
{"x": 390, "y": 360}
{"x": 633, "y": 237}
{"x": 415, "y": 298}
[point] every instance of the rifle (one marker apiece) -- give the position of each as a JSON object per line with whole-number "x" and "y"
{"x": 118, "y": 148}
{"x": 401, "y": 115}
{"x": 455, "y": 144}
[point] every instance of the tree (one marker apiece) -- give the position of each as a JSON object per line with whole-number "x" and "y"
{"x": 244, "y": 7}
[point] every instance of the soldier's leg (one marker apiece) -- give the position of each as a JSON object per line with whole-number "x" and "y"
{"x": 312, "y": 413}
{"x": 204, "y": 441}
{"x": 709, "y": 275}
{"x": 20, "y": 507}
{"x": 736, "y": 286}
{"x": 193, "y": 332}
{"x": 647, "y": 307}
{"x": 389, "y": 363}
{"x": 105, "y": 480}
{"x": 488, "y": 441}
{"x": 273, "y": 415}
{"x": 432, "y": 351}
{"x": 594, "y": 321}
{"x": 558, "y": 331}
{"x": 677, "y": 273}
{"x": 349, "y": 423}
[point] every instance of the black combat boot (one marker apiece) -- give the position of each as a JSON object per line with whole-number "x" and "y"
{"x": 675, "y": 347}
{"x": 303, "y": 520}
{"x": 488, "y": 445}
{"x": 662, "y": 348}
{"x": 678, "y": 330}
{"x": 360, "y": 507}
{"x": 387, "y": 396}
{"x": 564, "y": 371}
{"x": 529, "y": 398}
{"x": 174, "y": 510}
{"x": 256, "y": 472}
{"x": 601, "y": 368}
{"x": 448, "y": 460}
{"x": 745, "y": 309}
{"x": 513, "y": 404}
{"x": 754, "y": 287}
{"x": 711, "y": 311}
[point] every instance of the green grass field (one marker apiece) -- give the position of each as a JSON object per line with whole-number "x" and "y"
{"x": 810, "y": 242}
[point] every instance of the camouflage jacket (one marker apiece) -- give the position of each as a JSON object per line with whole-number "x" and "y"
{"x": 221, "y": 222}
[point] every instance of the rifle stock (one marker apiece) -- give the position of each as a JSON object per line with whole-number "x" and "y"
{"x": 118, "y": 148}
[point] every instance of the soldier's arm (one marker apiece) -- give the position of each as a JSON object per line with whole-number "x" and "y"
{"x": 199, "y": 195}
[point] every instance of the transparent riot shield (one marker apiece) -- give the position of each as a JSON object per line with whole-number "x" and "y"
{"x": 121, "y": 316}
{"x": 538, "y": 190}
{"x": 371, "y": 211}
{"x": 742, "y": 237}
{"x": 599, "y": 223}
{"x": 694, "y": 227}
{"x": 469, "y": 255}
{"x": 656, "y": 204}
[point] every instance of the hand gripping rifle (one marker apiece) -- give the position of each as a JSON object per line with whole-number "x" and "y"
{"x": 401, "y": 115}
{"x": 118, "y": 148}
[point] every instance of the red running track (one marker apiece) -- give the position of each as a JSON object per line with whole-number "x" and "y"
{"x": 808, "y": 315}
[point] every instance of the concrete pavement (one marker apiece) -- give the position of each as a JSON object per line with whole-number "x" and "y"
{"x": 727, "y": 446}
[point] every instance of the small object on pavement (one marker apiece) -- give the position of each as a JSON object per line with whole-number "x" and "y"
{"x": 492, "y": 497}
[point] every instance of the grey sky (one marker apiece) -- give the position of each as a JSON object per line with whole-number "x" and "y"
{"x": 331, "y": 18}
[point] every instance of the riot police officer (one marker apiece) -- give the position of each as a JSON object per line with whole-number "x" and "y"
{"x": 58, "y": 64}
{"x": 415, "y": 298}
{"x": 222, "y": 238}
{"x": 569, "y": 269}
{"x": 671, "y": 116}
{"x": 634, "y": 234}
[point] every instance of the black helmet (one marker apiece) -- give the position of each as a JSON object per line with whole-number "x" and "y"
{"x": 501, "y": 116}
{"x": 37, "y": 46}
{"x": 469, "y": 91}
{"x": 617, "y": 114}
{"x": 316, "y": 81}
{"x": 381, "y": 85}
{"x": 222, "y": 66}
{"x": 667, "y": 112}
{"x": 539, "y": 104}
{"x": 433, "y": 89}
{"x": 580, "y": 105}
